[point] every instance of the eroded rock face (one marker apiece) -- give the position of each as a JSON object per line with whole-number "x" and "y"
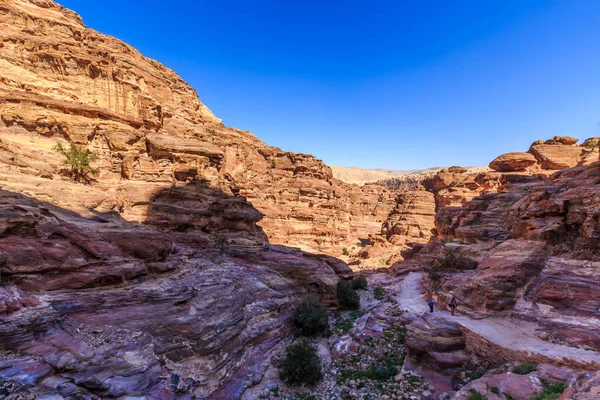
{"x": 530, "y": 251}
{"x": 510, "y": 162}
{"x": 556, "y": 156}
{"x": 412, "y": 217}
{"x": 436, "y": 342}
{"x": 62, "y": 82}
{"x": 116, "y": 308}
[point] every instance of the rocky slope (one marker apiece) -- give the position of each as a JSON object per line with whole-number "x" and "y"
{"x": 62, "y": 82}
{"x": 411, "y": 222}
{"x": 529, "y": 251}
{"x": 116, "y": 288}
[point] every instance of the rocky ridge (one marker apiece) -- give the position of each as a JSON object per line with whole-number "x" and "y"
{"x": 62, "y": 82}
{"x": 410, "y": 224}
{"x": 527, "y": 256}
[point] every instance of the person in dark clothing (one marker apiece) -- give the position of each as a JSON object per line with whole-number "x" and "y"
{"x": 453, "y": 303}
{"x": 430, "y": 303}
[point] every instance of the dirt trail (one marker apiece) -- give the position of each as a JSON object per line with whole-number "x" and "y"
{"x": 510, "y": 333}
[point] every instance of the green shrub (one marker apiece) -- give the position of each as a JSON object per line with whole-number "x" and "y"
{"x": 552, "y": 390}
{"x": 78, "y": 159}
{"x": 381, "y": 372}
{"x": 347, "y": 297}
{"x": 478, "y": 374}
{"x": 345, "y": 252}
{"x": 211, "y": 131}
{"x": 301, "y": 364}
{"x": 311, "y": 318}
{"x": 222, "y": 242}
{"x": 347, "y": 323}
{"x": 375, "y": 373}
{"x": 475, "y": 395}
{"x": 359, "y": 283}
{"x": 495, "y": 390}
{"x": 508, "y": 396}
{"x": 524, "y": 369}
{"x": 379, "y": 293}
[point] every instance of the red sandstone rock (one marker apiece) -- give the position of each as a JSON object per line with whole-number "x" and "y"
{"x": 517, "y": 161}
{"x": 556, "y": 156}
{"x": 436, "y": 342}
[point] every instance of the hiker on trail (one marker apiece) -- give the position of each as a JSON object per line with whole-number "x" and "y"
{"x": 430, "y": 303}
{"x": 453, "y": 303}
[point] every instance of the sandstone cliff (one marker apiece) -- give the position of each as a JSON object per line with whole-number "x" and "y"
{"x": 411, "y": 222}
{"x": 530, "y": 251}
{"x": 63, "y": 82}
{"x": 116, "y": 288}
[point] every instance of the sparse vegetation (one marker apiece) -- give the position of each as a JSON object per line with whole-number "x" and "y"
{"x": 591, "y": 145}
{"x": 376, "y": 373}
{"x": 359, "y": 283}
{"x": 222, "y": 242}
{"x": 347, "y": 297}
{"x": 211, "y": 131}
{"x": 345, "y": 324}
{"x": 301, "y": 364}
{"x": 78, "y": 159}
{"x": 524, "y": 369}
{"x": 345, "y": 252}
{"x": 395, "y": 332}
{"x": 311, "y": 318}
{"x": 495, "y": 390}
{"x": 379, "y": 293}
{"x": 552, "y": 390}
{"x": 475, "y": 395}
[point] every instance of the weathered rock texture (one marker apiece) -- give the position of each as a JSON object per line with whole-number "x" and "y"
{"x": 116, "y": 288}
{"x": 436, "y": 342}
{"x": 89, "y": 306}
{"x": 531, "y": 250}
{"x": 62, "y": 82}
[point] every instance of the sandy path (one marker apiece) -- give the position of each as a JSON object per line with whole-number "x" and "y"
{"x": 509, "y": 333}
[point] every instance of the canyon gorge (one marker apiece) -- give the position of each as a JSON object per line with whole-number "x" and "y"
{"x": 174, "y": 272}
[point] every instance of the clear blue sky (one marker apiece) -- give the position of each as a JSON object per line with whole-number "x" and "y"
{"x": 379, "y": 84}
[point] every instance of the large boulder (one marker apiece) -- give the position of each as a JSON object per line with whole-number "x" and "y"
{"x": 516, "y": 161}
{"x": 556, "y": 156}
{"x": 437, "y": 342}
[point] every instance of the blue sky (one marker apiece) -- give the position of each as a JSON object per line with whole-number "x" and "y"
{"x": 380, "y": 84}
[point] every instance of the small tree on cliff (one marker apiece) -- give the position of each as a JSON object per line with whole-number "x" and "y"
{"x": 347, "y": 297}
{"x": 78, "y": 160}
{"x": 222, "y": 242}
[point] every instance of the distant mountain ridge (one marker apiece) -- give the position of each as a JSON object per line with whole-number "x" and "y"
{"x": 360, "y": 176}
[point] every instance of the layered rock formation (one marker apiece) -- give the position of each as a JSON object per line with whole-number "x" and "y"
{"x": 94, "y": 307}
{"x": 116, "y": 288}
{"x": 531, "y": 250}
{"x": 411, "y": 222}
{"x": 62, "y": 82}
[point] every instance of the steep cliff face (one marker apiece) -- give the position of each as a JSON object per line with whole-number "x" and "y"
{"x": 91, "y": 307}
{"x": 411, "y": 222}
{"x": 116, "y": 288}
{"x": 62, "y": 82}
{"x": 531, "y": 250}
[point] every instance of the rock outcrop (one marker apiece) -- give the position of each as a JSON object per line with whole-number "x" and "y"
{"x": 62, "y": 82}
{"x": 510, "y": 162}
{"x": 96, "y": 307}
{"x": 119, "y": 287}
{"x": 437, "y": 343}
{"x": 531, "y": 250}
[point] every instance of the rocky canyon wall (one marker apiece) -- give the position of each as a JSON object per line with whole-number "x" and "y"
{"x": 531, "y": 250}
{"x": 63, "y": 82}
{"x": 410, "y": 224}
